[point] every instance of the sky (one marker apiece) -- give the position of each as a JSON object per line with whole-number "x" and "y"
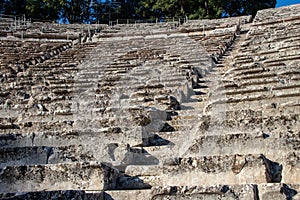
{"x": 286, "y": 2}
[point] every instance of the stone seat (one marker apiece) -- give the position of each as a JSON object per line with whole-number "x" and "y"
{"x": 253, "y": 69}
{"x": 175, "y": 139}
{"x": 210, "y": 170}
{"x": 275, "y": 88}
{"x": 274, "y": 21}
{"x": 76, "y": 194}
{"x": 120, "y": 66}
{"x": 92, "y": 176}
{"x": 128, "y": 194}
{"x": 150, "y": 93}
{"x": 73, "y": 136}
{"x": 63, "y": 85}
{"x": 117, "y": 71}
{"x": 284, "y": 58}
{"x": 80, "y": 86}
{"x": 270, "y": 40}
{"x": 256, "y": 101}
{"x": 271, "y": 54}
{"x": 240, "y": 191}
{"x": 41, "y": 155}
{"x": 241, "y": 143}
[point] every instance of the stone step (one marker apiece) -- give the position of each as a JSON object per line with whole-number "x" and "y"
{"x": 265, "y": 75}
{"x": 165, "y": 138}
{"x": 254, "y": 69}
{"x": 267, "y": 88}
{"x": 163, "y": 153}
{"x": 68, "y": 176}
{"x": 261, "y": 101}
{"x": 283, "y": 58}
{"x": 257, "y": 67}
{"x": 226, "y": 169}
{"x": 175, "y": 126}
{"x": 242, "y": 143}
{"x": 220, "y": 191}
{"x": 67, "y": 194}
{"x": 251, "y": 120}
{"x": 214, "y": 140}
{"x": 284, "y": 79}
{"x": 86, "y": 135}
{"x": 39, "y": 155}
{"x": 193, "y": 103}
{"x": 267, "y": 91}
{"x": 278, "y": 191}
{"x": 187, "y": 112}
{"x": 228, "y": 120}
{"x": 128, "y": 194}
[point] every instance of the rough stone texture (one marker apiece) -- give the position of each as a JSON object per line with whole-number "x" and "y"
{"x": 205, "y": 192}
{"x": 92, "y": 176}
{"x": 207, "y": 109}
{"x": 65, "y": 194}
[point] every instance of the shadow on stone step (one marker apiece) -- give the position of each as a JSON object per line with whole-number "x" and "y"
{"x": 187, "y": 107}
{"x": 243, "y": 32}
{"x": 273, "y": 170}
{"x": 131, "y": 182}
{"x": 132, "y": 156}
{"x": 139, "y": 157}
{"x": 213, "y": 70}
{"x": 203, "y": 81}
{"x": 107, "y": 196}
{"x": 167, "y": 128}
{"x": 199, "y": 93}
{"x": 156, "y": 140}
{"x": 199, "y": 86}
{"x": 287, "y": 191}
{"x": 9, "y": 136}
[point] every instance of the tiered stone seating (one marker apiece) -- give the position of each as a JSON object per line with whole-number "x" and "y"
{"x": 139, "y": 29}
{"x": 237, "y": 143}
{"x": 217, "y": 35}
{"x": 48, "y": 121}
{"x": 254, "y": 110}
{"x": 15, "y": 53}
{"x": 48, "y": 31}
{"x": 205, "y": 25}
{"x": 72, "y": 32}
{"x": 45, "y": 89}
{"x": 5, "y": 23}
{"x": 152, "y": 116}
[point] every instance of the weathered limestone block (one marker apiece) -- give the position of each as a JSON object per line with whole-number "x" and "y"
{"x": 72, "y": 176}
{"x": 22, "y": 156}
{"x": 278, "y": 191}
{"x": 16, "y": 139}
{"x": 60, "y": 194}
{"x": 291, "y": 168}
{"x": 184, "y": 92}
{"x": 227, "y": 169}
{"x": 204, "y": 192}
{"x": 242, "y": 143}
{"x": 128, "y": 194}
{"x": 121, "y": 156}
{"x": 208, "y": 170}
